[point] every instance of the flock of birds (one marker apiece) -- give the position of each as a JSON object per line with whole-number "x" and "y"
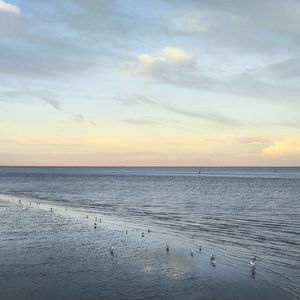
{"x": 212, "y": 259}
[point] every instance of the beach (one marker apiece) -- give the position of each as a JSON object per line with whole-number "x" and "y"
{"x": 61, "y": 255}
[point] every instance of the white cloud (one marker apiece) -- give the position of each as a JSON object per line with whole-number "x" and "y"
{"x": 177, "y": 55}
{"x": 10, "y": 8}
{"x": 169, "y": 59}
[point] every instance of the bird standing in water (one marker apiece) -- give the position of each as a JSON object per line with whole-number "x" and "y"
{"x": 213, "y": 260}
{"x": 252, "y": 262}
{"x": 167, "y": 247}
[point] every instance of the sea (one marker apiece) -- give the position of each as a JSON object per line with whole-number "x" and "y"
{"x": 235, "y": 213}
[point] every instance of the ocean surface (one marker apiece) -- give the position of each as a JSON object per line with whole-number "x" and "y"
{"x": 235, "y": 213}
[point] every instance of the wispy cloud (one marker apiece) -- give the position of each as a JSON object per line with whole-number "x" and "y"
{"x": 207, "y": 116}
{"x": 9, "y": 8}
{"x": 51, "y": 101}
{"x": 254, "y": 141}
{"x": 85, "y": 120}
{"x": 143, "y": 122}
{"x": 78, "y": 119}
{"x": 134, "y": 100}
{"x": 25, "y": 94}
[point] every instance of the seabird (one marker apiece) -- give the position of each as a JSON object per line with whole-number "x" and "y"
{"x": 167, "y": 247}
{"x": 192, "y": 253}
{"x": 111, "y": 250}
{"x": 213, "y": 260}
{"x": 126, "y": 231}
{"x": 200, "y": 248}
{"x": 252, "y": 262}
{"x": 143, "y": 234}
{"x": 51, "y": 209}
{"x": 95, "y": 225}
{"x": 149, "y": 230}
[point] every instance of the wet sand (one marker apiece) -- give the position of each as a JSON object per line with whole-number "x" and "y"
{"x": 60, "y": 255}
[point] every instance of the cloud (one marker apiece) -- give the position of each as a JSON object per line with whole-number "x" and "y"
{"x": 42, "y": 95}
{"x": 51, "y": 101}
{"x": 178, "y": 56}
{"x": 207, "y": 116}
{"x": 212, "y": 117}
{"x": 135, "y": 100}
{"x": 290, "y": 123}
{"x": 169, "y": 60}
{"x": 254, "y": 141}
{"x": 285, "y": 147}
{"x": 284, "y": 70}
{"x": 48, "y": 41}
{"x": 9, "y": 8}
{"x": 240, "y": 24}
{"x": 180, "y": 69}
{"x": 140, "y": 122}
{"x": 78, "y": 119}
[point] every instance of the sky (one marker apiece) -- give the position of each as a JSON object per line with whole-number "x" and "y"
{"x": 150, "y": 83}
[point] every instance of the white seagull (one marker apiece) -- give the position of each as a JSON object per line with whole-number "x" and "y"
{"x": 252, "y": 262}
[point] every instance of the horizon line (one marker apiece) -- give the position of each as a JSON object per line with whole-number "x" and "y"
{"x": 133, "y": 166}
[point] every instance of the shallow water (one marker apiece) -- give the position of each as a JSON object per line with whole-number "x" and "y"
{"x": 233, "y": 212}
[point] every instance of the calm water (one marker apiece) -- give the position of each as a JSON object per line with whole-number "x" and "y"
{"x": 234, "y": 212}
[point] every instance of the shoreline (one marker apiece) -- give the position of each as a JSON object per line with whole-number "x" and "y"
{"x": 142, "y": 261}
